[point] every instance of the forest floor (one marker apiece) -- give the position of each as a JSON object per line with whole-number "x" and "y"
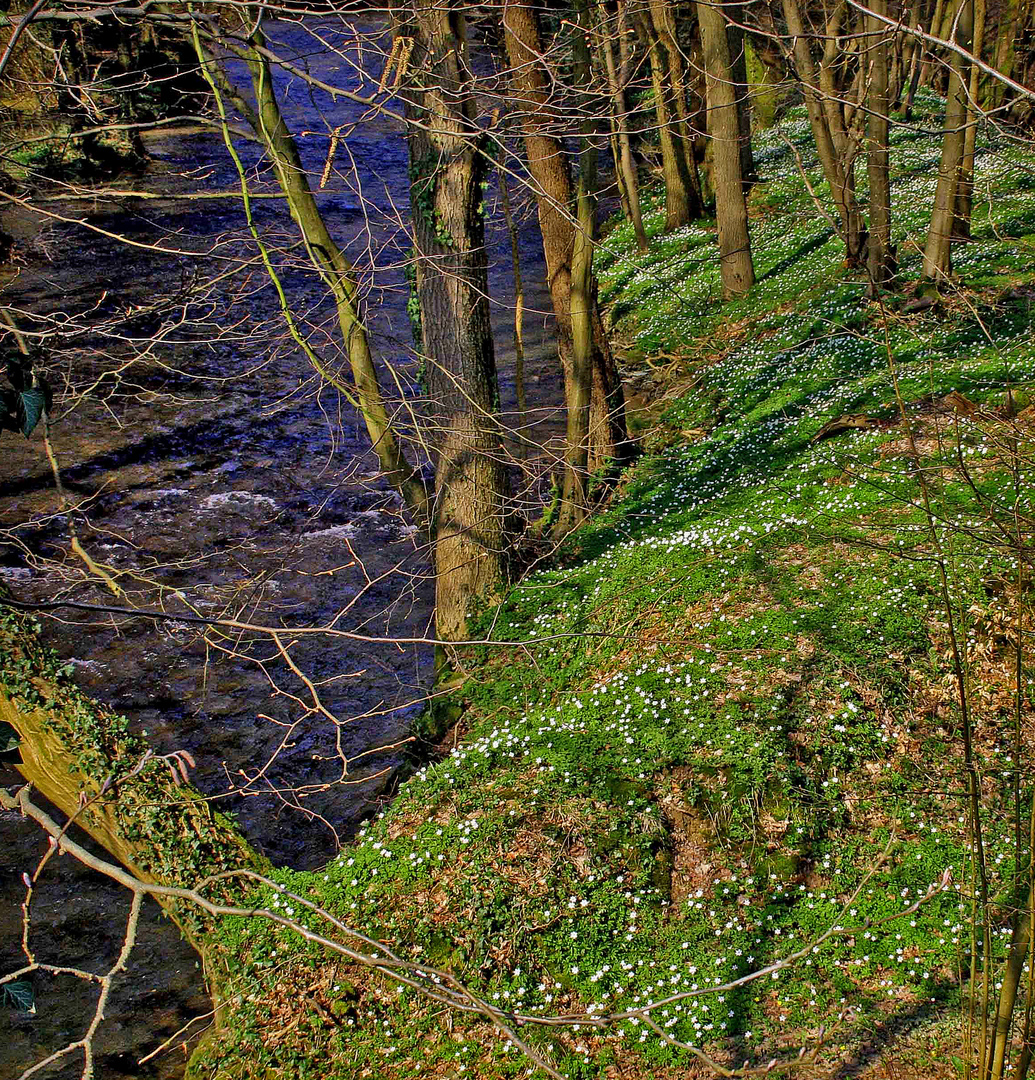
{"x": 731, "y": 722}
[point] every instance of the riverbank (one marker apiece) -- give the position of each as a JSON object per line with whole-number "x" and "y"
{"x": 729, "y": 721}
{"x": 216, "y": 477}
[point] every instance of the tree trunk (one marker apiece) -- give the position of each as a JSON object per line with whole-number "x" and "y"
{"x": 682, "y": 194}
{"x": 738, "y": 274}
{"x": 836, "y": 105}
{"x": 519, "y": 313}
{"x": 1006, "y": 44}
{"x": 548, "y": 166}
{"x": 447, "y": 169}
{"x": 915, "y": 68}
{"x": 662, "y": 13}
{"x": 625, "y": 166}
{"x": 609, "y": 445}
{"x": 822, "y": 102}
{"x": 965, "y": 188}
{"x": 575, "y": 487}
{"x": 337, "y": 273}
{"x": 879, "y": 258}
{"x": 1018, "y": 955}
{"x": 937, "y": 251}
{"x": 739, "y": 73}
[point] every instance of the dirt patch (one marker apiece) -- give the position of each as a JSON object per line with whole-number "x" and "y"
{"x": 692, "y": 838}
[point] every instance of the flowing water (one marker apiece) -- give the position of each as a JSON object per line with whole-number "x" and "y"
{"x": 215, "y": 475}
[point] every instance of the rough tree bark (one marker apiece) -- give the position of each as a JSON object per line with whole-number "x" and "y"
{"x": 738, "y": 273}
{"x": 447, "y": 169}
{"x": 879, "y": 256}
{"x": 937, "y": 265}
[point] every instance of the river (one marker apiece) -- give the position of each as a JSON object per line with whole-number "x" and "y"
{"x": 214, "y": 471}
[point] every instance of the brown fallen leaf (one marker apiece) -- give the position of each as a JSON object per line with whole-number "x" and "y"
{"x": 959, "y": 404}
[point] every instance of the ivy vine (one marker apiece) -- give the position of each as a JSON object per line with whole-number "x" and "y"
{"x": 424, "y": 174}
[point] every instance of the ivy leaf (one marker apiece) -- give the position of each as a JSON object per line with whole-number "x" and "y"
{"x": 8, "y": 737}
{"x": 19, "y": 995}
{"x": 29, "y": 401}
{"x": 32, "y": 404}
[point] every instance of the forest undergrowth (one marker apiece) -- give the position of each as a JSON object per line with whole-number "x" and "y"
{"x": 732, "y": 721}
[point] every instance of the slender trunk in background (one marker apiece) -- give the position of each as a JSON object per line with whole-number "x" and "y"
{"x": 447, "y": 169}
{"x": 837, "y": 105}
{"x": 738, "y": 274}
{"x": 832, "y": 144}
{"x": 548, "y": 166}
{"x": 545, "y": 156}
{"x": 519, "y": 313}
{"x": 950, "y": 13}
{"x": 682, "y": 195}
{"x": 932, "y": 26}
{"x": 627, "y": 62}
{"x": 663, "y": 18}
{"x": 273, "y": 132}
{"x": 879, "y": 260}
{"x": 921, "y": 19}
{"x": 1006, "y": 43}
{"x": 937, "y": 15}
{"x": 574, "y": 502}
{"x": 625, "y": 166}
{"x": 914, "y": 75}
{"x": 938, "y": 249}
{"x": 739, "y": 74}
{"x": 939, "y": 78}
{"x": 898, "y": 64}
{"x": 965, "y": 188}
{"x": 1012, "y": 975}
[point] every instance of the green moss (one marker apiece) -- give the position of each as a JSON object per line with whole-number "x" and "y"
{"x": 173, "y": 834}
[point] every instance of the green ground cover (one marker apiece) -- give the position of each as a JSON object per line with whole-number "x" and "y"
{"x": 728, "y": 723}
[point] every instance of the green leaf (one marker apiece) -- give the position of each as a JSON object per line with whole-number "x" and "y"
{"x": 8, "y": 737}
{"x": 32, "y": 404}
{"x": 19, "y": 995}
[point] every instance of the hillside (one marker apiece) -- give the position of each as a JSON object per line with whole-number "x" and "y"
{"x": 731, "y": 721}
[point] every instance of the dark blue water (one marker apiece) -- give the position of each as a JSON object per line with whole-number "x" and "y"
{"x": 214, "y": 473}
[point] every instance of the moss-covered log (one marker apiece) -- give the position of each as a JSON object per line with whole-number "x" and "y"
{"x": 136, "y": 805}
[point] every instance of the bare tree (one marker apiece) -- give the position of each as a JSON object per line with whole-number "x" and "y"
{"x": 618, "y": 74}
{"x": 268, "y": 124}
{"x": 596, "y": 435}
{"x": 448, "y": 167}
{"x": 684, "y": 202}
{"x": 724, "y": 130}
{"x": 831, "y": 90}
{"x": 880, "y": 262}
{"x": 938, "y": 249}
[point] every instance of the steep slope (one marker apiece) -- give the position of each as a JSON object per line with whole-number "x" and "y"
{"x": 727, "y": 736}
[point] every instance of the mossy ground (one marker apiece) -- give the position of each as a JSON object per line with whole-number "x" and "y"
{"x": 731, "y": 705}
